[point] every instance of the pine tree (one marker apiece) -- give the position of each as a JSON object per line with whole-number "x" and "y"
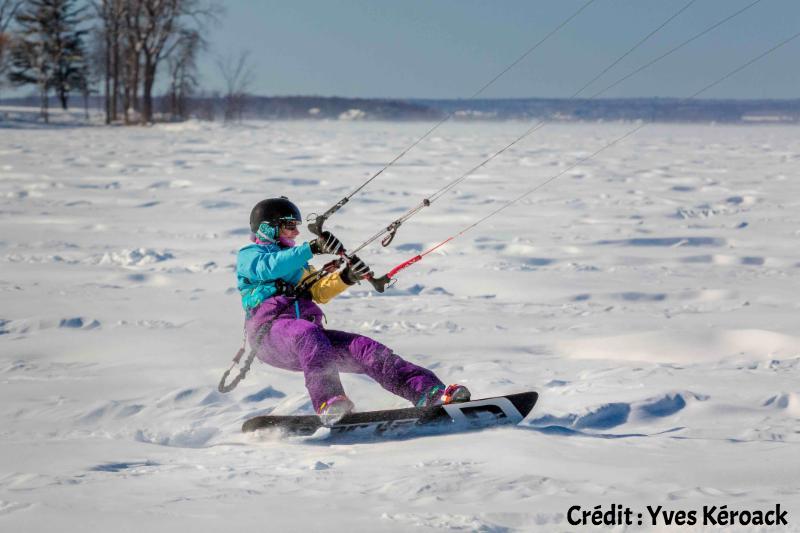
{"x": 29, "y": 64}
{"x": 69, "y": 57}
{"x": 8, "y": 9}
{"x": 50, "y": 50}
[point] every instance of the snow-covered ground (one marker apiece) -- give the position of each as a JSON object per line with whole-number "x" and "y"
{"x": 651, "y": 296}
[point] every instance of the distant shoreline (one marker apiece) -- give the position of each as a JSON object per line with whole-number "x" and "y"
{"x": 563, "y": 110}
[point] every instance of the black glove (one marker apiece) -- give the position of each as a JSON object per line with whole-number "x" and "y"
{"x": 326, "y": 243}
{"x": 355, "y": 271}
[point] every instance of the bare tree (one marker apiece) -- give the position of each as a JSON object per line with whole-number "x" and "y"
{"x": 183, "y": 73}
{"x": 238, "y": 75}
{"x": 5, "y": 44}
{"x": 204, "y": 105}
{"x": 158, "y": 30}
{"x": 138, "y": 36}
{"x": 159, "y": 26}
{"x": 111, "y": 14}
{"x": 132, "y": 62}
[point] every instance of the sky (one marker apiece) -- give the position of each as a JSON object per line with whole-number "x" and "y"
{"x": 450, "y": 48}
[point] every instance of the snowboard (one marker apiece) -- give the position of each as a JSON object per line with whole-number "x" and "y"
{"x": 474, "y": 414}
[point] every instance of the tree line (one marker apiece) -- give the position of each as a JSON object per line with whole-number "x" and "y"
{"x": 119, "y": 48}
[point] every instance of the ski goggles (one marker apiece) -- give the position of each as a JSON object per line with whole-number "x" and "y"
{"x": 291, "y": 225}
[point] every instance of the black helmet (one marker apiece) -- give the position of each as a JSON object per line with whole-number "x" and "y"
{"x": 273, "y": 211}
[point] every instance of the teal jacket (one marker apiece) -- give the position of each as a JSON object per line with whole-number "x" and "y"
{"x": 258, "y": 266}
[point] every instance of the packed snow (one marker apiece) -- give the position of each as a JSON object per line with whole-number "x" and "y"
{"x": 650, "y": 296}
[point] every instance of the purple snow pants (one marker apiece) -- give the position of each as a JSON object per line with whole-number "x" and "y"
{"x": 304, "y": 345}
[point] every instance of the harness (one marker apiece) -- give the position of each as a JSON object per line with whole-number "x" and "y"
{"x": 295, "y": 293}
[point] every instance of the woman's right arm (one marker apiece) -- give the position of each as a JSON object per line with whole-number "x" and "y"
{"x": 254, "y": 263}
